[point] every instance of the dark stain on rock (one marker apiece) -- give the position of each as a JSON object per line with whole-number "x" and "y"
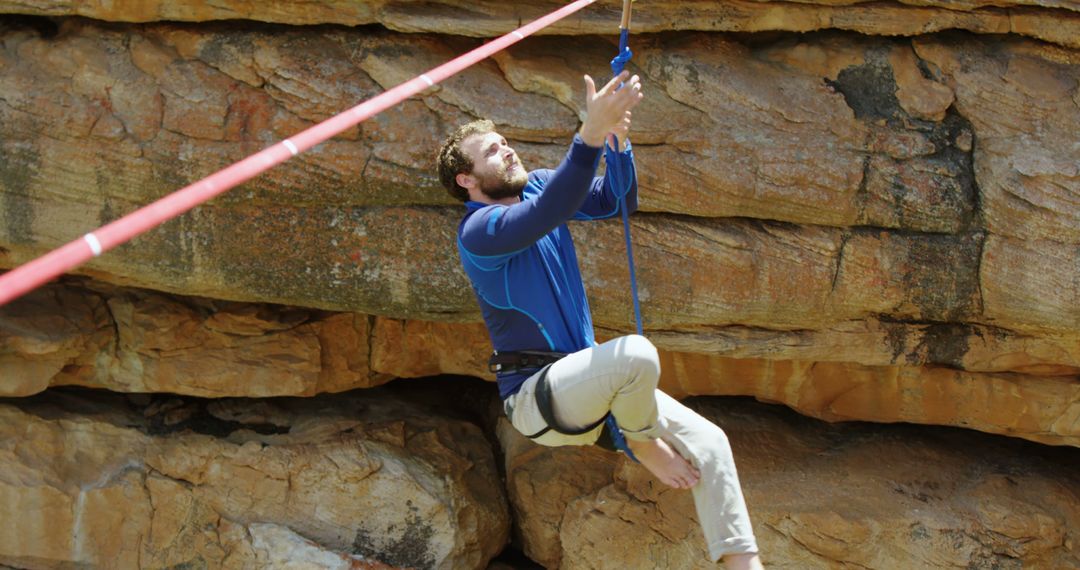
{"x": 196, "y": 564}
{"x": 943, "y": 275}
{"x": 409, "y": 551}
{"x": 955, "y": 167}
{"x": 870, "y": 89}
{"x": 19, "y": 163}
{"x": 103, "y": 173}
{"x": 106, "y": 214}
{"x": 896, "y": 337}
{"x": 946, "y": 343}
{"x": 220, "y": 49}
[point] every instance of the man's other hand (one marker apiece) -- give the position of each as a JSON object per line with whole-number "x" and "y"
{"x": 607, "y": 111}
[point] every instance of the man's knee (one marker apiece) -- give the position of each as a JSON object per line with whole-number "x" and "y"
{"x": 714, "y": 444}
{"x": 643, "y": 357}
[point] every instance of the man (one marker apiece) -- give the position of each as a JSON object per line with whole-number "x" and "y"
{"x": 557, "y": 384}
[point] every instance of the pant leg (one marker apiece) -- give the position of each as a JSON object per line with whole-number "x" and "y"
{"x": 619, "y": 376}
{"x": 718, "y": 497}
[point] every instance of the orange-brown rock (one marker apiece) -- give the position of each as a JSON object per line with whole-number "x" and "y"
{"x": 805, "y": 131}
{"x": 1054, "y": 21}
{"x": 867, "y": 212}
{"x": 130, "y": 340}
{"x": 355, "y": 481}
{"x": 1038, "y": 408}
{"x": 820, "y": 497}
{"x": 1027, "y": 183}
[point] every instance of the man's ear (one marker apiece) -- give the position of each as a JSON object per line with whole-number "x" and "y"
{"x": 466, "y": 181}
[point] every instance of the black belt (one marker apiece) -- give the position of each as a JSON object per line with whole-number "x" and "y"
{"x": 522, "y": 360}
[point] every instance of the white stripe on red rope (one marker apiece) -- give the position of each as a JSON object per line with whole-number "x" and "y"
{"x": 92, "y": 241}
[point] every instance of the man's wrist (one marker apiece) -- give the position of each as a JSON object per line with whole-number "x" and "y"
{"x": 591, "y": 138}
{"x": 582, "y": 154}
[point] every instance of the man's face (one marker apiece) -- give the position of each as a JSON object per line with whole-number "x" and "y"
{"x": 496, "y": 168}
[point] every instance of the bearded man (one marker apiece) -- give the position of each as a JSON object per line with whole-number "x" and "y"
{"x": 557, "y": 384}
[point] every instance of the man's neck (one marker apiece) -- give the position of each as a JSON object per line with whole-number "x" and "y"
{"x": 508, "y": 201}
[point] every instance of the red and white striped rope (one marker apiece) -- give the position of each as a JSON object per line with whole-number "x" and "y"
{"x": 31, "y": 275}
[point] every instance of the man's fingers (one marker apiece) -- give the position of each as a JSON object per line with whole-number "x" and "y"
{"x": 590, "y": 88}
{"x": 614, "y": 83}
{"x": 630, "y": 93}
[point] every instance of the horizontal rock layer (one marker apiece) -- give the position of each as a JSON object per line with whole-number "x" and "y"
{"x": 885, "y": 171}
{"x": 819, "y": 497}
{"x": 360, "y": 481}
{"x": 130, "y": 340}
{"x": 1049, "y": 20}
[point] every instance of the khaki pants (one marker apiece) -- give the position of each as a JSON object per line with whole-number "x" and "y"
{"x": 621, "y": 376}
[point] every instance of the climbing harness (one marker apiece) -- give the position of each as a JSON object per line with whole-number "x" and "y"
{"x": 610, "y": 438}
{"x": 547, "y": 410}
{"x": 521, "y": 360}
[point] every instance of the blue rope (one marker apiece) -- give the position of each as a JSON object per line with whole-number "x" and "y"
{"x": 625, "y": 54}
{"x": 615, "y": 171}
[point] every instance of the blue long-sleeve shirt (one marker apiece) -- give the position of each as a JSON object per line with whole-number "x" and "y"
{"x": 522, "y": 262}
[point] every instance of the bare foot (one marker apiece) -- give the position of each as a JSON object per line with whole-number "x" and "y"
{"x": 664, "y": 462}
{"x": 743, "y": 562}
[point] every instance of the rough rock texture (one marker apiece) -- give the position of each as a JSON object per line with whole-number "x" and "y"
{"x": 130, "y": 340}
{"x": 861, "y": 210}
{"x": 1050, "y": 20}
{"x": 822, "y": 198}
{"x": 848, "y": 496}
{"x": 864, "y": 159}
{"x": 95, "y": 480}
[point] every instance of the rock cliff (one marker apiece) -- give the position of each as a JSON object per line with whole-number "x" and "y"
{"x": 860, "y": 210}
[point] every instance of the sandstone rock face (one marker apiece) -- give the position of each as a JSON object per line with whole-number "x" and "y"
{"x": 830, "y": 180}
{"x": 129, "y": 340}
{"x": 136, "y": 341}
{"x": 357, "y": 481}
{"x": 1050, "y": 20}
{"x": 860, "y": 210}
{"x": 819, "y": 496}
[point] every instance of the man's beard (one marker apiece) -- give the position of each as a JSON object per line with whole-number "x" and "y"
{"x": 506, "y": 186}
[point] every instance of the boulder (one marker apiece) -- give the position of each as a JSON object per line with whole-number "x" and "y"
{"x": 358, "y": 480}
{"x": 820, "y": 496}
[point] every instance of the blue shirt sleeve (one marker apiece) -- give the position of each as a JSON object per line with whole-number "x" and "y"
{"x": 606, "y": 193}
{"x": 499, "y": 230}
